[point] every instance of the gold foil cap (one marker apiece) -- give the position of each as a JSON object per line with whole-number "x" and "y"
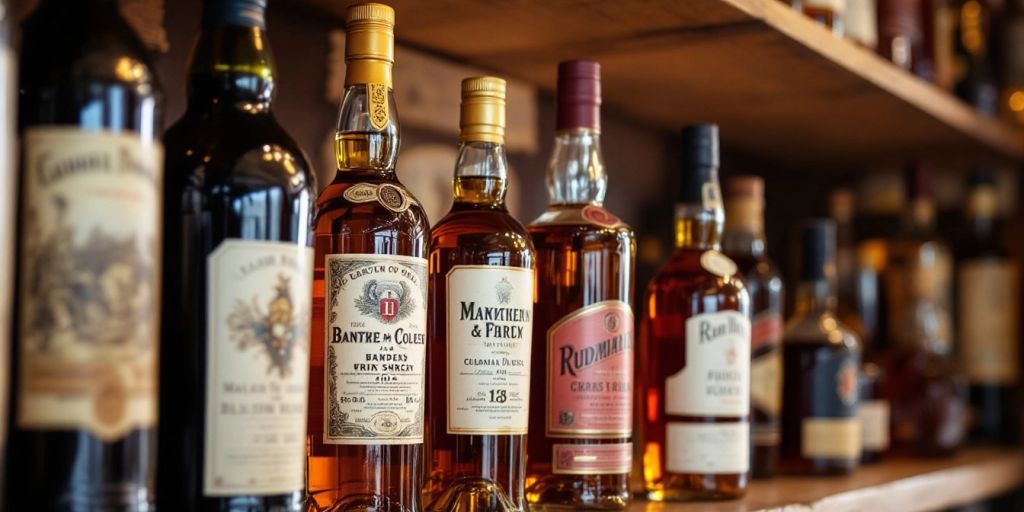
{"x": 369, "y": 44}
{"x": 482, "y": 116}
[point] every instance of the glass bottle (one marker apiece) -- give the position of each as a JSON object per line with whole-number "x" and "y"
{"x": 694, "y": 353}
{"x": 8, "y": 187}
{"x": 743, "y": 240}
{"x": 900, "y": 31}
{"x": 581, "y": 418}
{"x": 368, "y": 350}
{"x": 238, "y": 276}
{"x": 988, "y": 312}
{"x": 480, "y": 328}
{"x": 975, "y": 82}
{"x": 86, "y": 331}
{"x": 1011, "y": 94}
{"x": 821, "y": 359}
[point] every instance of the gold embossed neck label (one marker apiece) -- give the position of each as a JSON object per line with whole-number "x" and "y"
{"x": 378, "y": 100}
{"x": 390, "y": 196}
{"x": 89, "y": 297}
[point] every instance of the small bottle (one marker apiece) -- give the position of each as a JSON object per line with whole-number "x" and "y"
{"x": 581, "y": 419}
{"x": 86, "y": 321}
{"x": 821, "y": 359}
{"x": 694, "y": 354}
{"x": 744, "y": 242}
{"x": 988, "y": 315}
{"x": 480, "y": 326}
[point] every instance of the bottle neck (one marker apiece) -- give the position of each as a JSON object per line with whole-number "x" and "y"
{"x": 231, "y": 68}
{"x": 815, "y": 298}
{"x": 576, "y": 174}
{"x": 698, "y": 227}
{"x": 367, "y": 138}
{"x": 920, "y": 217}
{"x": 982, "y": 208}
{"x": 744, "y": 226}
{"x": 481, "y": 176}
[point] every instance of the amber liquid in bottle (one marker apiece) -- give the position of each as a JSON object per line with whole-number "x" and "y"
{"x": 696, "y": 304}
{"x": 365, "y": 211}
{"x": 580, "y": 449}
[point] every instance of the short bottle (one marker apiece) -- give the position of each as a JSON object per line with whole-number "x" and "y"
{"x": 744, "y": 242}
{"x": 821, "y": 432}
{"x": 694, "y": 352}
{"x": 581, "y": 419}
{"x": 480, "y": 326}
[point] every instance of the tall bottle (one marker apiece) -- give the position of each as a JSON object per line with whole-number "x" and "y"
{"x": 988, "y": 312}
{"x": 744, "y": 242}
{"x": 86, "y": 331}
{"x": 821, "y": 358}
{"x": 8, "y": 188}
{"x": 695, "y": 349}
{"x": 581, "y": 419}
{"x": 480, "y": 325}
{"x": 238, "y": 273}
{"x": 975, "y": 80}
{"x": 1011, "y": 94}
{"x": 368, "y": 355}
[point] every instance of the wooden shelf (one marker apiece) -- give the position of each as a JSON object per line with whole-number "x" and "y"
{"x": 783, "y": 89}
{"x": 903, "y": 484}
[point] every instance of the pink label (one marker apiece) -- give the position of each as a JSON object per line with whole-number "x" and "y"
{"x": 590, "y": 372}
{"x": 592, "y": 459}
{"x": 767, "y": 330}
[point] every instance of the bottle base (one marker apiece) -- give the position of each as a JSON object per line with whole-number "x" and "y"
{"x": 558, "y": 493}
{"x": 359, "y": 503}
{"x": 472, "y": 494}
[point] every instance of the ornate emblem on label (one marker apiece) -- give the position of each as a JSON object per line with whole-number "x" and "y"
{"x": 88, "y": 301}
{"x": 390, "y": 196}
{"x": 600, "y": 216}
{"x": 377, "y": 94}
{"x": 376, "y": 349}
{"x": 717, "y": 263}
{"x": 257, "y": 358}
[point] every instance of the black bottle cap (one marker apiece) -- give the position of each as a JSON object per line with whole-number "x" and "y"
{"x": 700, "y": 159}
{"x": 918, "y": 182}
{"x": 818, "y": 243}
{"x": 981, "y": 177}
{"x": 246, "y": 13}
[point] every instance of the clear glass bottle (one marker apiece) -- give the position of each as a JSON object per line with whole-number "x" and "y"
{"x": 581, "y": 418}
{"x": 694, "y": 352}
{"x": 480, "y": 327}
{"x": 821, "y": 360}
{"x": 365, "y": 427}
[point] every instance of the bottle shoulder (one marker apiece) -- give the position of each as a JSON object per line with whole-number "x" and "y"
{"x": 362, "y": 211}
{"x": 820, "y": 329}
{"x": 477, "y": 230}
{"x": 684, "y": 274}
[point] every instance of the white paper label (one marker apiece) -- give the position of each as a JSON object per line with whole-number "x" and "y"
{"x": 716, "y": 378}
{"x": 257, "y": 367}
{"x": 375, "y": 348}
{"x": 708, "y": 448}
{"x": 989, "y": 298}
{"x": 490, "y": 326}
{"x": 874, "y": 424}
{"x": 831, "y": 438}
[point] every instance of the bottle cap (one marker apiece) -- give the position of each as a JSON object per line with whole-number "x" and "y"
{"x": 482, "y": 114}
{"x": 818, "y": 243}
{"x": 246, "y": 13}
{"x": 918, "y": 182}
{"x": 982, "y": 197}
{"x": 699, "y": 181}
{"x": 842, "y": 204}
{"x": 982, "y": 176}
{"x": 744, "y": 187}
{"x": 744, "y": 204}
{"x": 579, "y": 95}
{"x": 369, "y": 44}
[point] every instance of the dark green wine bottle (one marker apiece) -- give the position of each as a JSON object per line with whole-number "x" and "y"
{"x": 84, "y": 403}
{"x": 235, "y": 344}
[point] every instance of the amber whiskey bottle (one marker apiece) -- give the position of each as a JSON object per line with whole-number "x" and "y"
{"x": 988, "y": 316}
{"x": 581, "y": 417}
{"x": 368, "y": 355}
{"x": 694, "y": 352}
{"x": 821, "y": 359}
{"x": 480, "y": 326}
{"x": 744, "y": 242}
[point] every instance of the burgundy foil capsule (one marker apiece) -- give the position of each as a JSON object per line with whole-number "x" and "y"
{"x": 579, "y": 95}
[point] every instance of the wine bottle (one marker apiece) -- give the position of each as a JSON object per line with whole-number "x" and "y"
{"x": 367, "y": 368}
{"x": 238, "y": 281}
{"x": 85, "y": 350}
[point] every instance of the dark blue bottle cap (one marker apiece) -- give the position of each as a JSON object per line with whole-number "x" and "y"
{"x": 699, "y": 160}
{"x": 247, "y": 13}
{"x": 818, "y": 247}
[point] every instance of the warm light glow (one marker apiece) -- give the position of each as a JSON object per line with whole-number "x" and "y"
{"x": 1017, "y": 101}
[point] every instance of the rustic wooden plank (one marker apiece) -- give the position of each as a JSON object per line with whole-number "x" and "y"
{"x": 784, "y": 89}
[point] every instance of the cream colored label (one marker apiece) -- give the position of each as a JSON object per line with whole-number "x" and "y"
{"x": 831, "y": 438}
{"x": 257, "y": 367}
{"x": 707, "y": 448}
{"x": 392, "y": 197}
{"x": 490, "y": 327}
{"x": 8, "y": 186}
{"x": 717, "y": 263}
{"x": 375, "y": 347}
{"x": 874, "y": 422}
{"x": 89, "y": 295}
{"x": 377, "y": 97}
{"x": 711, "y": 195}
{"x": 766, "y": 382}
{"x": 989, "y": 298}
{"x": 716, "y": 378}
